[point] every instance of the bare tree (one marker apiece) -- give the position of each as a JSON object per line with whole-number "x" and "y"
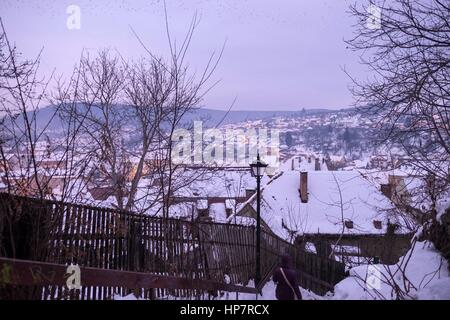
{"x": 91, "y": 100}
{"x": 25, "y": 153}
{"x": 409, "y": 91}
{"x": 234, "y": 188}
{"x": 408, "y": 53}
{"x": 128, "y": 113}
{"x": 296, "y": 222}
{"x": 21, "y": 94}
{"x": 393, "y": 280}
{"x": 24, "y": 139}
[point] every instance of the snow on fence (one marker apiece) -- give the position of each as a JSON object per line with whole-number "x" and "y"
{"x": 318, "y": 274}
{"x": 64, "y": 233}
{"x": 356, "y": 249}
{"x": 104, "y": 238}
{"x": 43, "y": 276}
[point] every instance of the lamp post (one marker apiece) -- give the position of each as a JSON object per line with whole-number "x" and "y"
{"x": 258, "y": 168}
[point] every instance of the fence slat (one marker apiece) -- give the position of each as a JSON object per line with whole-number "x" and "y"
{"x": 118, "y": 240}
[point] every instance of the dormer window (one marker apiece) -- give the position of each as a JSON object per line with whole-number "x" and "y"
{"x": 377, "y": 224}
{"x": 348, "y": 224}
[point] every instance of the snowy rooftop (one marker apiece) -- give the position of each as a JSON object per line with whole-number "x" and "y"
{"x": 222, "y": 183}
{"x": 361, "y": 203}
{"x": 304, "y": 162}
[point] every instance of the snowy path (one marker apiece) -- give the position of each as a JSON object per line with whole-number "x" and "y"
{"x": 268, "y": 293}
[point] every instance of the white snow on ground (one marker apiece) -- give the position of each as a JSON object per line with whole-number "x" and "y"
{"x": 427, "y": 271}
{"x": 442, "y": 206}
{"x": 128, "y": 297}
{"x": 268, "y": 293}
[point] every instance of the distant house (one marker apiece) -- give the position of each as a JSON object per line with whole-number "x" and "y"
{"x": 379, "y": 161}
{"x": 6, "y": 165}
{"x": 307, "y": 162}
{"x": 30, "y": 186}
{"x": 50, "y": 164}
{"x": 101, "y": 193}
{"x": 337, "y": 162}
{"x": 396, "y": 189}
{"x": 331, "y": 202}
{"x": 16, "y": 161}
{"x": 214, "y": 197}
{"x": 3, "y": 184}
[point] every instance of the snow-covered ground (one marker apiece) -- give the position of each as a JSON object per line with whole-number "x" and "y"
{"x": 421, "y": 274}
{"x": 268, "y": 293}
{"x": 425, "y": 277}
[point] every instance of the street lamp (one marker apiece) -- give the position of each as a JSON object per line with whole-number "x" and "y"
{"x": 258, "y": 168}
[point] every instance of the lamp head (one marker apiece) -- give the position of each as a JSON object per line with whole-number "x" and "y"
{"x": 258, "y": 167}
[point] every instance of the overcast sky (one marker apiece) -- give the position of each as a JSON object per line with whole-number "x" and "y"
{"x": 280, "y": 54}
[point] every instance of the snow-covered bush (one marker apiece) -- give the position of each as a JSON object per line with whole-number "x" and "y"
{"x": 421, "y": 274}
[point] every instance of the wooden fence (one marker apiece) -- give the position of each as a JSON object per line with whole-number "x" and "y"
{"x": 318, "y": 274}
{"x": 104, "y": 238}
{"x": 356, "y": 249}
{"x": 64, "y": 233}
{"x": 43, "y": 276}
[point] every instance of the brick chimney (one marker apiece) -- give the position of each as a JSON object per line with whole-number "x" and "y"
{"x": 386, "y": 189}
{"x": 317, "y": 165}
{"x": 304, "y": 186}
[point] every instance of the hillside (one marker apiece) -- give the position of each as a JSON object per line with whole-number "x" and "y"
{"x": 209, "y": 117}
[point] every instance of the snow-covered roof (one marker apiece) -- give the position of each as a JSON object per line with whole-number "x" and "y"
{"x": 222, "y": 183}
{"x": 217, "y": 210}
{"x": 230, "y": 203}
{"x": 245, "y": 221}
{"x": 361, "y": 203}
{"x": 202, "y": 204}
{"x": 183, "y": 210}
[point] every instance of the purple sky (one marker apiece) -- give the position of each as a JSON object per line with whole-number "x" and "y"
{"x": 284, "y": 54}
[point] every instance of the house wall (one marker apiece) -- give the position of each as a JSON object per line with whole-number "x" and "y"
{"x": 249, "y": 212}
{"x": 388, "y": 248}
